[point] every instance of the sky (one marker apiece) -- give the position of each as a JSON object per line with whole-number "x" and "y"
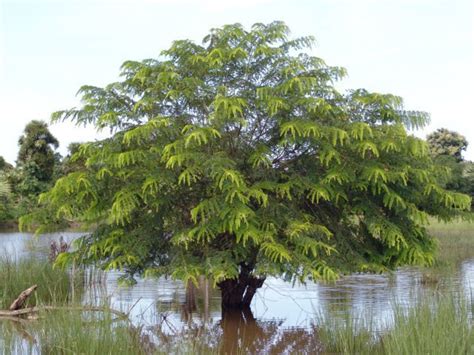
{"x": 421, "y": 50}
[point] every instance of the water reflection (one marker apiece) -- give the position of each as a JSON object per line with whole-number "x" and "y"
{"x": 283, "y": 314}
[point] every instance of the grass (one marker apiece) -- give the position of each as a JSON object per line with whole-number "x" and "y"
{"x": 59, "y": 331}
{"x": 441, "y": 324}
{"x": 437, "y": 325}
{"x": 455, "y": 241}
{"x": 73, "y": 332}
{"x": 17, "y": 275}
{"x": 455, "y": 245}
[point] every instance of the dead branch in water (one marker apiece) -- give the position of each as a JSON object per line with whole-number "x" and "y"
{"x": 16, "y": 309}
{"x": 32, "y": 310}
{"x": 21, "y": 299}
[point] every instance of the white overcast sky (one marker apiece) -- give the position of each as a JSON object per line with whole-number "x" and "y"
{"x": 421, "y": 50}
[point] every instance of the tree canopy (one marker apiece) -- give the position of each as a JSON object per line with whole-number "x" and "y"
{"x": 5, "y": 197}
{"x": 446, "y": 142}
{"x": 36, "y": 148}
{"x": 446, "y": 148}
{"x": 237, "y": 159}
{"x": 4, "y": 165}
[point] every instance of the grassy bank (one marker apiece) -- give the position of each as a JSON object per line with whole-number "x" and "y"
{"x": 455, "y": 241}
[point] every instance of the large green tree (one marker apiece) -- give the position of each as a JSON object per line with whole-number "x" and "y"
{"x": 237, "y": 159}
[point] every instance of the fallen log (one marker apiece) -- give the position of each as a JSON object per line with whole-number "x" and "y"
{"x": 31, "y": 310}
{"x": 16, "y": 309}
{"x": 21, "y": 299}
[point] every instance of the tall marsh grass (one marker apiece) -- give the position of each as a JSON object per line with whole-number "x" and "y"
{"x": 17, "y": 275}
{"x": 436, "y": 325}
{"x": 72, "y": 332}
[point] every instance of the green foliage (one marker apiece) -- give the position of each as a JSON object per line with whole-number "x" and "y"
{"x": 4, "y": 165}
{"x": 5, "y": 190}
{"x": 454, "y": 172}
{"x": 445, "y": 142}
{"x": 36, "y": 149}
{"x": 6, "y": 195}
{"x": 70, "y": 162}
{"x": 460, "y": 175}
{"x": 240, "y": 153}
{"x": 5, "y": 199}
{"x": 37, "y": 168}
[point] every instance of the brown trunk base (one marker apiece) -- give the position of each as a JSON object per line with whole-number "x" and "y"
{"x": 237, "y": 294}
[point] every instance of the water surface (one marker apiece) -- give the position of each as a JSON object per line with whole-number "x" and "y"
{"x": 281, "y": 311}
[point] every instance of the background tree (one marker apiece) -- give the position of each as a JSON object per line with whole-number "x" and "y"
{"x": 237, "y": 159}
{"x": 34, "y": 173}
{"x": 36, "y": 152}
{"x": 72, "y": 161}
{"x": 447, "y": 143}
{"x": 5, "y": 199}
{"x": 446, "y": 147}
{"x": 36, "y": 160}
{"x": 4, "y": 165}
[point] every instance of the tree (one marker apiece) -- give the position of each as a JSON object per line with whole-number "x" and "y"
{"x": 237, "y": 159}
{"x": 35, "y": 167}
{"x": 448, "y": 143}
{"x": 4, "y": 165}
{"x": 36, "y": 150}
{"x": 454, "y": 172}
{"x": 72, "y": 163}
{"x": 5, "y": 199}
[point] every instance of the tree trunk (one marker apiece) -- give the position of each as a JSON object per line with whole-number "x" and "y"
{"x": 238, "y": 293}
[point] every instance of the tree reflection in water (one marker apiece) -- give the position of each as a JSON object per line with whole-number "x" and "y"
{"x": 242, "y": 333}
{"x": 237, "y": 332}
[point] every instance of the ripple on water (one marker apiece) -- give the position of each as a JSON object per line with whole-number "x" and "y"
{"x": 297, "y": 305}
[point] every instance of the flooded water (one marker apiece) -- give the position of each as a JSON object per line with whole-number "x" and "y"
{"x": 282, "y": 313}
